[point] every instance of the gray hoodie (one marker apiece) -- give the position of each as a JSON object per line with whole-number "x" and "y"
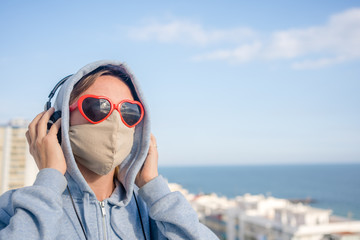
{"x": 45, "y": 210}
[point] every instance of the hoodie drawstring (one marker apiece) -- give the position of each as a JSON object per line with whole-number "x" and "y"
{"x": 77, "y": 214}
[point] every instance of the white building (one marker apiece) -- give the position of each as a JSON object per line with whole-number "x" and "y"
{"x": 256, "y": 217}
{"x": 17, "y": 167}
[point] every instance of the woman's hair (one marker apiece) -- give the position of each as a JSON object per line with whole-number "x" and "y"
{"x": 113, "y": 70}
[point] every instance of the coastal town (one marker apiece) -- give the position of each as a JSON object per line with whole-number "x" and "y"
{"x": 259, "y": 217}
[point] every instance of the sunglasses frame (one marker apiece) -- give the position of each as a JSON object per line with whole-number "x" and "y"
{"x": 78, "y": 104}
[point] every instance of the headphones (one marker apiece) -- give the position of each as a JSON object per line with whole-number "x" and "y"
{"x": 57, "y": 114}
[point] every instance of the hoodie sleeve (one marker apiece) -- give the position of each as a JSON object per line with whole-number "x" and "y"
{"x": 33, "y": 212}
{"x": 172, "y": 213}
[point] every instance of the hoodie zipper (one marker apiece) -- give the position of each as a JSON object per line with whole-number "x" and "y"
{"x": 103, "y": 212}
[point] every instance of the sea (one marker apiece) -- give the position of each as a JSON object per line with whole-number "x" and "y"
{"x": 330, "y": 186}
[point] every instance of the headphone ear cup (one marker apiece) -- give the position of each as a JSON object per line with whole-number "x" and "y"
{"x": 56, "y": 115}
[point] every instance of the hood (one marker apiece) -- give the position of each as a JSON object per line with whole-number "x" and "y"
{"x": 131, "y": 165}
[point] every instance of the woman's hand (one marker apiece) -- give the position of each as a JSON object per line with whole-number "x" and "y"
{"x": 43, "y": 145}
{"x": 149, "y": 170}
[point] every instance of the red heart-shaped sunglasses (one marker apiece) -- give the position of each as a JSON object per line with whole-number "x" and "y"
{"x": 96, "y": 109}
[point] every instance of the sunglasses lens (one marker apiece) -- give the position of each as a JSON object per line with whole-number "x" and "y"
{"x": 130, "y": 112}
{"x": 96, "y": 109}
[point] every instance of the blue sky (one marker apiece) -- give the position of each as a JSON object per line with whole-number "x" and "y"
{"x": 228, "y": 82}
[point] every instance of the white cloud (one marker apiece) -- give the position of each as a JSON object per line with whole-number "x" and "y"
{"x": 318, "y": 63}
{"x": 339, "y": 38}
{"x": 240, "y": 54}
{"x": 182, "y": 31}
{"x": 317, "y": 46}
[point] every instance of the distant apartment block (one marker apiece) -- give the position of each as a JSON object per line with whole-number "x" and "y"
{"x": 256, "y": 217}
{"x": 17, "y": 167}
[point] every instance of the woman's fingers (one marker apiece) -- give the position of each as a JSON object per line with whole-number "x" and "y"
{"x": 42, "y": 124}
{"x": 27, "y": 134}
{"x": 150, "y": 168}
{"x": 55, "y": 127}
{"x": 153, "y": 140}
{"x": 44, "y": 146}
{"x": 153, "y": 144}
{"x": 32, "y": 128}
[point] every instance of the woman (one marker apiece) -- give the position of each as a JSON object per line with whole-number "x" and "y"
{"x": 102, "y": 181}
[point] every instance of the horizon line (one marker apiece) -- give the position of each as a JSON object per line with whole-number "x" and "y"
{"x": 258, "y": 164}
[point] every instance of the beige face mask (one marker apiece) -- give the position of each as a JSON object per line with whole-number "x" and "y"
{"x": 103, "y": 146}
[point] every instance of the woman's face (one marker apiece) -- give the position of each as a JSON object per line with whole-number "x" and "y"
{"x": 109, "y": 86}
